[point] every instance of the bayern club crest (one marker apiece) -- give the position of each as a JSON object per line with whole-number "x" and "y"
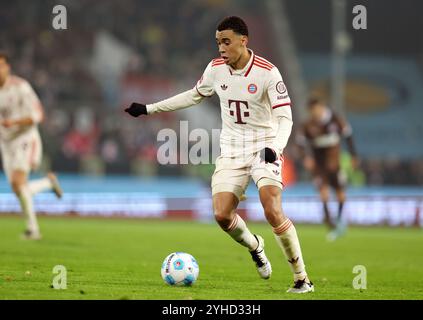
{"x": 252, "y": 88}
{"x": 280, "y": 87}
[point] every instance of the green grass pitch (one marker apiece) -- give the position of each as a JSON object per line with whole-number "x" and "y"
{"x": 121, "y": 259}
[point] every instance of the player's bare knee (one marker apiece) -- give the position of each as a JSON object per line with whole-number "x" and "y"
{"x": 224, "y": 222}
{"x": 270, "y": 198}
{"x": 324, "y": 194}
{"x": 17, "y": 181}
{"x": 224, "y": 217}
{"x": 224, "y": 205}
{"x": 272, "y": 209}
{"x": 16, "y": 186}
{"x": 273, "y": 213}
{"x": 340, "y": 194}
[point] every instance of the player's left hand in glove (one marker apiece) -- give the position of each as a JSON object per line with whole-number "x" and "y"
{"x": 269, "y": 155}
{"x": 136, "y": 109}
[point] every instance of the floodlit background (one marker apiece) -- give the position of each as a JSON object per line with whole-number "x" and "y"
{"x": 117, "y": 52}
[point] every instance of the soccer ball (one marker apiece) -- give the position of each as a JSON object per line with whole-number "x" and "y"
{"x": 180, "y": 268}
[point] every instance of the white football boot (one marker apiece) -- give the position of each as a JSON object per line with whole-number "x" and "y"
{"x": 262, "y": 263}
{"x": 31, "y": 235}
{"x": 55, "y": 184}
{"x": 302, "y": 286}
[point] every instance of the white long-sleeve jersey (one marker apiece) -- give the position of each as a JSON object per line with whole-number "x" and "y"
{"x": 255, "y": 105}
{"x": 17, "y": 101}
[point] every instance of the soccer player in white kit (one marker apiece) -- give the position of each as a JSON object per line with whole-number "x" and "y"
{"x": 256, "y": 124}
{"x": 20, "y": 143}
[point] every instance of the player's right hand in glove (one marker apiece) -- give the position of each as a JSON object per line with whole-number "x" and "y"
{"x": 136, "y": 109}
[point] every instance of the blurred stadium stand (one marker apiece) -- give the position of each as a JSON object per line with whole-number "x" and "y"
{"x": 383, "y": 90}
{"x": 123, "y": 196}
{"x": 117, "y": 52}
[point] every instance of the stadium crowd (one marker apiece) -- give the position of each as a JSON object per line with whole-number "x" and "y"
{"x": 85, "y": 129}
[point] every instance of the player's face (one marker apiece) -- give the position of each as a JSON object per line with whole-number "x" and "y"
{"x": 4, "y": 70}
{"x": 231, "y": 45}
{"x": 317, "y": 111}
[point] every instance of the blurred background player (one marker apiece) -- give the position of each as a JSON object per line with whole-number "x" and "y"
{"x": 251, "y": 142}
{"x": 322, "y": 133}
{"x": 20, "y": 143}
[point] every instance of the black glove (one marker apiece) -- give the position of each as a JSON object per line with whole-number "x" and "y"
{"x": 269, "y": 155}
{"x": 136, "y": 109}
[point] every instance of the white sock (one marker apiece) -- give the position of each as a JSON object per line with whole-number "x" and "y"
{"x": 25, "y": 199}
{"x": 36, "y": 186}
{"x": 239, "y": 232}
{"x": 286, "y": 237}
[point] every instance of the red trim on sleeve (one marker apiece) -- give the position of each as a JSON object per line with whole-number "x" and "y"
{"x": 217, "y": 64}
{"x": 217, "y": 61}
{"x": 281, "y": 105}
{"x": 264, "y": 61}
{"x": 262, "y": 66}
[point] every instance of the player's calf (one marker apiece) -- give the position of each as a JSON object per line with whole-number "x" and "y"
{"x": 238, "y": 231}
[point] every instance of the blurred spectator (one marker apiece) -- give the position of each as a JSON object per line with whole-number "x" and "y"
{"x": 165, "y": 46}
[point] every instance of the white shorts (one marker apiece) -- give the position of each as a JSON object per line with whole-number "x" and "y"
{"x": 235, "y": 177}
{"x": 23, "y": 153}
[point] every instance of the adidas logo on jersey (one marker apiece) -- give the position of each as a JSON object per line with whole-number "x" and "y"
{"x": 224, "y": 86}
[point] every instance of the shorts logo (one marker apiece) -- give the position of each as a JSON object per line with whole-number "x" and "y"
{"x": 252, "y": 88}
{"x": 280, "y": 87}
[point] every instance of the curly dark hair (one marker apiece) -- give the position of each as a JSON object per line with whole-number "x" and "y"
{"x": 236, "y": 24}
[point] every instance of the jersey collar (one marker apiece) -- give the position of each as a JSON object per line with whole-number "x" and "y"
{"x": 246, "y": 70}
